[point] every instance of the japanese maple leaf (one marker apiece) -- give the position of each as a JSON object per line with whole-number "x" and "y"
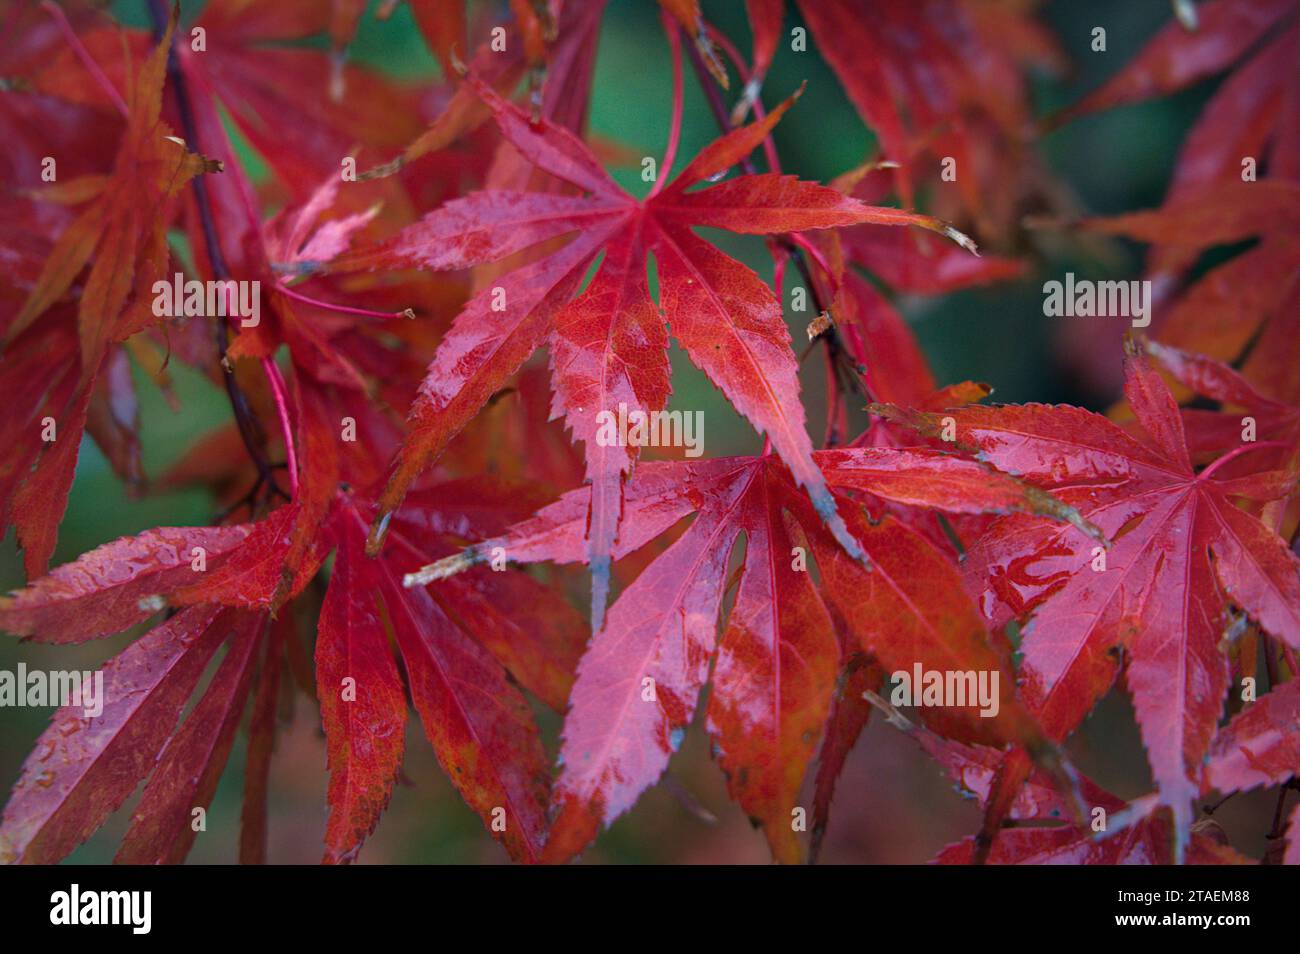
{"x": 1155, "y": 604}
{"x": 301, "y": 235}
{"x": 247, "y": 63}
{"x": 1247, "y": 132}
{"x": 1045, "y": 834}
{"x": 943, "y": 79}
{"x": 477, "y": 720}
{"x": 50, "y": 406}
{"x": 1223, "y": 311}
{"x": 121, "y": 233}
{"x": 560, "y": 91}
{"x": 609, "y": 344}
{"x": 1181, "y": 54}
{"x": 558, "y": 54}
{"x": 85, "y": 767}
{"x": 260, "y": 85}
{"x": 775, "y": 664}
{"x": 443, "y": 25}
{"x": 464, "y": 662}
{"x": 347, "y": 365}
{"x": 1213, "y": 433}
{"x": 123, "y": 229}
{"x": 1248, "y": 115}
{"x": 466, "y": 667}
{"x": 1261, "y": 747}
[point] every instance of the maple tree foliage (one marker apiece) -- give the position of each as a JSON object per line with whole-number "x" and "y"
{"x": 420, "y": 514}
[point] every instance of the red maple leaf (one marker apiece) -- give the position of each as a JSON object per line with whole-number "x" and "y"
{"x": 1235, "y": 177}
{"x": 121, "y": 233}
{"x": 465, "y": 663}
{"x": 778, "y": 656}
{"x": 1154, "y": 605}
{"x": 609, "y": 344}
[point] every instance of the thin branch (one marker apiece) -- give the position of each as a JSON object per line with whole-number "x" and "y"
{"x": 250, "y": 429}
{"x": 1279, "y": 815}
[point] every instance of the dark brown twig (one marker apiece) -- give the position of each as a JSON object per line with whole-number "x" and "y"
{"x": 250, "y": 430}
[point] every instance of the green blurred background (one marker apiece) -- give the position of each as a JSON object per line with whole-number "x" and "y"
{"x": 892, "y": 805}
